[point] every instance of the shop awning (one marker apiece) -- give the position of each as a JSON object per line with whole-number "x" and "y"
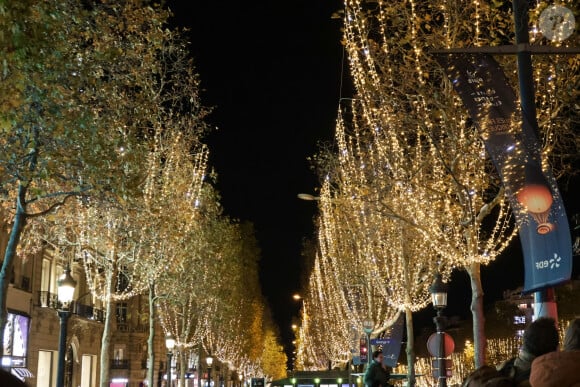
{"x": 22, "y": 372}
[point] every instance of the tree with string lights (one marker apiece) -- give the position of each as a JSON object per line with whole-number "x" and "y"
{"x": 229, "y": 330}
{"x": 325, "y": 336}
{"x": 64, "y": 106}
{"x": 210, "y": 296}
{"x": 98, "y": 119}
{"x": 403, "y": 92}
{"x": 339, "y": 291}
{"x": 169, "y": 214}
{"x": 380, "y": 182}
{"x": 346, "y": 278}
{"x": 183, "y": 294}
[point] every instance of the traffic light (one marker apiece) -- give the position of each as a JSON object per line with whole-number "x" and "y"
{"x": 364, "y": 350}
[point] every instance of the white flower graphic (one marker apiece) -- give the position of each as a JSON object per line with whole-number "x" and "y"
{"x": 555, "y": 262}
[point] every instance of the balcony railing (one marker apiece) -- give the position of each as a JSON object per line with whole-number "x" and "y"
{"x": 128, "y": 327}
{"x": 120, "y": 364}
{"x": 89, "y": 312}
{"x": 49, "y": 300}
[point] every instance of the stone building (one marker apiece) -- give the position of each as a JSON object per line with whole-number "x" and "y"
{"x": 33, "y": 330}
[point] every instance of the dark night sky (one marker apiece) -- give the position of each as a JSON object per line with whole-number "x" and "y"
{"x": 273, "y": 71}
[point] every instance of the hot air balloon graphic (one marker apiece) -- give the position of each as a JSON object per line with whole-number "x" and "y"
{"x": 537, "y": 199}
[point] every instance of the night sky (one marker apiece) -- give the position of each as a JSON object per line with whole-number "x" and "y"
{"x": 274, "y": 73}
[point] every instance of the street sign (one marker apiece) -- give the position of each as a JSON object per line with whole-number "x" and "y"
{"x": 380, "y": 341}
{"x": 448, "y": 367}
{"x": 433, "y": 344}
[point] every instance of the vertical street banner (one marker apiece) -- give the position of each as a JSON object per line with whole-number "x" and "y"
{"x": 512, "y": 144}
{"x": 392, "y": 344}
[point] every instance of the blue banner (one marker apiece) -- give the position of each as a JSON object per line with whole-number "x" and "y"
{"x": 392, "y": 339}
{"x": 513, "y": 146}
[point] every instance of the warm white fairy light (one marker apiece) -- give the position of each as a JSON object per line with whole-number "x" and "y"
{"x": 203, "y": 300}
{"x": 411, "y": 171}
{"x": 421, "y": 106}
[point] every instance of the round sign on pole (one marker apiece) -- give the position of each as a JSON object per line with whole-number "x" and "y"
{"x": 433, "y": 344}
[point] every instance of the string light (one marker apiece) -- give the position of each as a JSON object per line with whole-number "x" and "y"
{"x": 412, "y": 191}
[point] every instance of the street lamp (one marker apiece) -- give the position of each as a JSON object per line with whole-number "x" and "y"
{"x": 240, "y": 378}
{"x": 169, "y": 344}
{"x": 438, "y": 292}
{"x": 66, "y": 289}
{"x": 368, "y": 326}
{"x": 209, "y": 362}
{"x": 308, "y": 197}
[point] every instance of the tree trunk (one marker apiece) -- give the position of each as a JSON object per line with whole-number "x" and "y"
{"x": 151, "y": 339}
{"x": 410, "y": 348}
{"x": 182, "y": 368}
{"x": 106, "y": 339}
{"x": 9, "y": 254}
{"x": 479, "y": 341}
{"x": 199, "y": 374}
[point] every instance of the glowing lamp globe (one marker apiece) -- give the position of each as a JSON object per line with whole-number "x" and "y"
{"x": 66, "y": 287}
{"x": 170, "y": 342}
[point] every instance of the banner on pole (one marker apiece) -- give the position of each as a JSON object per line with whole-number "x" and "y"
{"x": 392, "y": 339}
{"x": 512, "y": 144}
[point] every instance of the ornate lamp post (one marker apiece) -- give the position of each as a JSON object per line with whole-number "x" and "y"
{"x": 66, "y": 289}
{"x": 240, "y": 378}
{"x": 169, "y": 344}
{"x": 438, "y": 292}
{"x": 209, "y": 362}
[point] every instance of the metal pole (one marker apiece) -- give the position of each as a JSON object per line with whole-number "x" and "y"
{"x": 369, "y": 350}
{"x": 544, "y": 300}
{"x": 439, "y": 324}
{"x": 63, "y": 316}
{"x": 524, "y": 58}
{"x": 169, "y": 356}
{"x": 208, "y": 376}
{"x": 199, "y": 372}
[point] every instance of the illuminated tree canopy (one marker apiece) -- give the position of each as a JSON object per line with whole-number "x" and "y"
{"x": 410, "y": 183}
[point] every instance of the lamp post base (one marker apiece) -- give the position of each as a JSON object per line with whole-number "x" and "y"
{"x": 169, "y": 356}
{"x": 440, "y": 326}
{"x": 63, "y": 316}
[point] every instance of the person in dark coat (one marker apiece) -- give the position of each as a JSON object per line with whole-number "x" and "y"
{"x": 540, "y": 337}
{"x": 377, "y": 375}
{"x": 561, "y": 368}
{"x": 487, "y": 376}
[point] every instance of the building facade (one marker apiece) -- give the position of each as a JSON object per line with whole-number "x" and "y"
{"x": 33, "y": 328}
